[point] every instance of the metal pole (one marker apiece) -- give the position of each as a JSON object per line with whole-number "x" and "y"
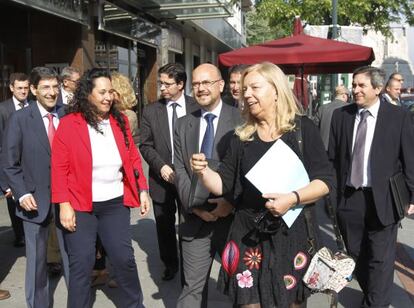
{"x": 334, "y": 19}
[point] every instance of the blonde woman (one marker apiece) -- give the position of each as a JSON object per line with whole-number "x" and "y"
{"x": 263, "y": 263}
{"x": 124, "y": 96}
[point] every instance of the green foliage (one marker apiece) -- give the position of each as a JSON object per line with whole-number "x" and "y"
{"x": 371, "y": 14}
{"x": 259, "y": 31}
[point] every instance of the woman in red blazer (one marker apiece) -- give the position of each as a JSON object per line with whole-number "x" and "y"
{"x": 96, "y": 178}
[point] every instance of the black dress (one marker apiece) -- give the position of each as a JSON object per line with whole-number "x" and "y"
{"x": 259, "y": 267}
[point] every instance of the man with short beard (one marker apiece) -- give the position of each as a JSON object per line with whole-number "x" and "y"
{"x": 203, "y": 229}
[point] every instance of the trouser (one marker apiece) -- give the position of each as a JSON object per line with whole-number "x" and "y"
{"x": 165, "y": 221}
{"x": 371, "y": 244}
{"x": 111, "y": 221}
{"x": 17, "y": 223}
{"x": 37, "y": 281}
{"x": 198, "y": 254}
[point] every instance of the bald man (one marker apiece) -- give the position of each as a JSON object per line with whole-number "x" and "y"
{"x": 393, "y": 91}
{"x": 204, "y": 228}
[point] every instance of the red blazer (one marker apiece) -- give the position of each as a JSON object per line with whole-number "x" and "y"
{"x": 72, "y": 164}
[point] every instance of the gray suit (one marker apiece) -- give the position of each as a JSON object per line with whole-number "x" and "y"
{"x": 26, "y": 164}
{"x": 200, "y": 240}
{"x": 323, "y": 119}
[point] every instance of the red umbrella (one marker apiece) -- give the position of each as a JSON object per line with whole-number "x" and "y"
{"x": 314, "y": 55}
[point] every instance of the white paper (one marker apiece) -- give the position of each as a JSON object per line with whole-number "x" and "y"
{"x": 280, "y": 171}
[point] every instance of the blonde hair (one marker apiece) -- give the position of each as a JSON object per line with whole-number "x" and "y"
{"x": 123, "y": 86}
{"x": 286, "y": 106}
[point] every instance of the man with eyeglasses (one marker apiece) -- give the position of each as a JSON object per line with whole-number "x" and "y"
{"x": 26, "y": 164}
{"x": 203, "y": 226}
{"x": 156, "y": 146}
{"x": 69, "y": 77}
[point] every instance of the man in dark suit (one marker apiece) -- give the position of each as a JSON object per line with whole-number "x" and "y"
{"x": 156, "y": 146}
{"x": 19, "y": 86}
{"x": 235, "y": 73}
{"x": 370, "y": 141}
{"x": 324, "y": 114}
{"x": 203, "y": 229}
{"x": 69, "y": 78}
{"x": 26, "y": 164}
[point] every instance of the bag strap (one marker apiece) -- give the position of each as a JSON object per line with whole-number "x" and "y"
{"x": 331, "y": 211}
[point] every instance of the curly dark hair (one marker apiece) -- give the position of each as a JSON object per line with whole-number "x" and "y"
{"x": 81, "y": 104}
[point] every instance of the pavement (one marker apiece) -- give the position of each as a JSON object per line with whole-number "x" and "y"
{"x": 158, "y": 293}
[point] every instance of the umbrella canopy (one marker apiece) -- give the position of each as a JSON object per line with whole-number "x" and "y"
{"x": 311, "y": 54}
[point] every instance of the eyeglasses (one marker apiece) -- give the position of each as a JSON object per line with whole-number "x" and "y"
{"x": 204, "y": 83}
{"x": 166, "y": 84}
{"x": 74, "y": 81}
{"x": 45, "y": 89}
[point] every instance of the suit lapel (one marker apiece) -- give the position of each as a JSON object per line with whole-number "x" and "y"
{"x": 222, "y": 127}
{"x": 380, "y": 129}
{"x": 37, "y": 125}
{"x": 164, "y": 125}
{"x": 83, "y": 133}
{"x": 192, "y": 135}
{"x": 349, "y": 128}
{"x": 10, "y": 106}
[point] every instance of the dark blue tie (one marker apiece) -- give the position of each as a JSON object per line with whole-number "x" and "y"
{"x": 208, "y": 140}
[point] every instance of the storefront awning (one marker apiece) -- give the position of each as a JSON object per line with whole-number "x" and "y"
{"x": 187, "y": 10}
{"x": 119, "y": 21}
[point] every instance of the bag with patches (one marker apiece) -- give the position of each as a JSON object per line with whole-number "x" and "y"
{"x": 329, "y": 271}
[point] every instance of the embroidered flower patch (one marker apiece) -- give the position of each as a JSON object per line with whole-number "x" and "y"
{"x": 300, "y": 261}
{"x": 230, "y": 257}
{"x": 245, "y": 280}
{"x": 252, "y": 258}
{"x": 290, "y": 281}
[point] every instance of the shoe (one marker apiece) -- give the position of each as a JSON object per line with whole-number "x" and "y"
{"x": 19, "y": 242}
{"x": 4, "y": 294}
{"x": 54, "y": 269}
{"x": 169, "y": 273}
{"x": 112, "y": 283}
{"x": 100, "y": 279}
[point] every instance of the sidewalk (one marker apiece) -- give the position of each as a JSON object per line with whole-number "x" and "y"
{"x": 158, "y": 293}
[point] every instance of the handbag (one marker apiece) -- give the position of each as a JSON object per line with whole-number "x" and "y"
{"x": 400, "y": 194}
{"x": 327, "y": 271}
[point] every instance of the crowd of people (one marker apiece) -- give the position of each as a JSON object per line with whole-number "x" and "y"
{"x": 71, "y": 173}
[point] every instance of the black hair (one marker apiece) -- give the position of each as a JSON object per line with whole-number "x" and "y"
{"x": 89, "y": 111}
{"x": 175, "y": 71}
{"x": 18, "y": 77}
{"x": 40, "y": 73}
{"x": 238, "y": 68}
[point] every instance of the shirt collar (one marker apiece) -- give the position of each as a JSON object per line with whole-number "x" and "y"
{"x": 373, "y": 109}
{"x": 180, "y": 101}
{"x": 44, "y": 112}
{"x": 17, "y": 102}
{"x": 216, "y": 111}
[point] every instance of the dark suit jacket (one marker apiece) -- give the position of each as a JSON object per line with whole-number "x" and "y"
{"x": 392, "y": 147}
{"x": 155, "y": 144}
{"x": 186, "y": 143}
{"x": 6, "y": 109}
{"x": 59, "y": 100}
{"x": 26, "y": 160}
{"x": 323, "y": 119}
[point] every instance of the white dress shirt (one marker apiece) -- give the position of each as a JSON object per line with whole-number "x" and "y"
{"x": 371, "y": 122}
{"x": 17, "y": 102}
{"x": 65, "y": 96}
{"x": 203, "y": 122}
{"x": 106, "y": 164}
{"x": 181, "y": 111}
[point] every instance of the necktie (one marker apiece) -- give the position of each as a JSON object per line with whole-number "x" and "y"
{"x": 357, "y": 168}
{"x": 21, "y": 104}
{"x": 174, "y": 116}
{"x": 51, "y": 128}
{"x": 208, "y": 140}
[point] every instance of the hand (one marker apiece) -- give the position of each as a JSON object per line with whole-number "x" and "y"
{"x": 198, "y": 163}
{"x": 28, "y": 203}
{"x": 167, "y": 174}
{"x": 205, "y": 215}
{"x": 145, "y": 203}
{"x": 223, "y": 209}
{"x": 8, "y": 193}
{"x": 279, "y": 204}
{"x": 410, "y": 210}
{"x": 67, "y": 216}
